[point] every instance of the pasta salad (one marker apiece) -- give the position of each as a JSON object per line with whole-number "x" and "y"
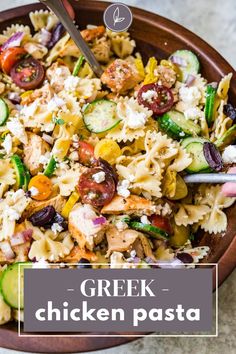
{"x": 92, "y": 170}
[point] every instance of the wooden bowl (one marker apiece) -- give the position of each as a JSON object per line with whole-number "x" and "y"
{"x": 156, "y": 36}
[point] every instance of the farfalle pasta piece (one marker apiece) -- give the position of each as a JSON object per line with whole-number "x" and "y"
{"x": 67, "y": 179}
{"x": 221, "y": 123}
{"x": 7, "y": 173}
{"x": 9, "y": 31}
{"x": 47, "y": 246}
{"x": 122, "y": 46}
{"x": 181, "y": 161}
{"x": 190, "y": 214}
{"x": 56, "y": 50}
{"x": 215, "y": 220}
{"x": 43, "y": 19}
{"x": 224, "y": 86}
{"x": 134, "y": 117}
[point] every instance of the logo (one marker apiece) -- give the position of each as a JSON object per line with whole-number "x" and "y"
{"x": 118, "y": 17}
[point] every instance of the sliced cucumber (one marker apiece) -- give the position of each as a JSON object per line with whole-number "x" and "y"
{"x": 52, "y": 164}
{"x": 19, "y": 170}
{"x": 228, "y": 138}
{"x": 199, "y": 163}
{"x": 100, "y": 116}
{"x": 78, "y": 65}
{"x": 175, "y": 125}
{"x": 187, "y": 141}
{"x": 151, "y": 230}
{"x": 210, "y": 100}
{"x": 9, "y": 284}
{"x": 4, "y": 111}
{"x": 192, "y": 66}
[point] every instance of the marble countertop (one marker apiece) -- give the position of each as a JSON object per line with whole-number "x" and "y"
{"x": 214, "y": 21}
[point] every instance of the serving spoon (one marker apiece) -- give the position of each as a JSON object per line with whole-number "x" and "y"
{"x": 210, "y": 178}
{"x": 60, "y": 11}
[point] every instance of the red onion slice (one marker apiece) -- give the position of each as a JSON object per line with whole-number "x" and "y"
{"x": 14, "y": 97}
{"x": 100, "y": 221}
{"x": 21, "y": 237}
{"x": 190, "y": 80}
{"x": 179, "y": 61}
{"x": 13, "y": 41}
{"x": 7, "y": 250}
{"x": 46, "y": 37}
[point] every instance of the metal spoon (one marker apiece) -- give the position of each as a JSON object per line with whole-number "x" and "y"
{"x": 210, "y": 178}
{"x": 58, "y": 8}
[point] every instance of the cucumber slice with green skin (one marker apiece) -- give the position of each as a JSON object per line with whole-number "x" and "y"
{"x": 192, "y": 64}
{"x": 4, "y": 111}
{"x": 19, "y": 168}
{"x": 78, "y": 65}
{"x": 187, "y": 141}
{"x": 100, "y": 116}
{"x": 199, "y": 163}
{"x": 151, "y": 230}
{"x": 9, "y": 284}
{"x": 50, "y": 167}
{"x": 228, "y": 138}
{"x": 210, "y": 100}
{"x": 175, "y": 125}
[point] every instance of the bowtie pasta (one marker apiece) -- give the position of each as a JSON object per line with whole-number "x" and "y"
{"x": 93, "y": 169}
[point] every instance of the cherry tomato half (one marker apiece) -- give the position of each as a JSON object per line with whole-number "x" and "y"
{"x": 160, "y": 101}
{"x": 28, "y": 73}
{"x": 86, "y": 153}
{"x": 96, "y": 194}
{"x": 10, "y": 57}
{"x": 162, "y": 223}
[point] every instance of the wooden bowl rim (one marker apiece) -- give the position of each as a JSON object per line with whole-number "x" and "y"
{"x": 8, "y": 336}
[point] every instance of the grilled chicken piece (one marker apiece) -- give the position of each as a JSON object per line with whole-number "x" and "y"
{"x": 57, "y": 202}
{"x": 82, "y": 228}
{"x": 120, "y": 241}
{"x": 93, "y": 33}
{"x": 133, "y": 203}
{"x": 77, "y": 253}
{"x": 120, "y": 76}
{"x": 33, "y": 150}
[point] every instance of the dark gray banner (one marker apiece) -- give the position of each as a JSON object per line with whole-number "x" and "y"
{"x": 113, "y": 300}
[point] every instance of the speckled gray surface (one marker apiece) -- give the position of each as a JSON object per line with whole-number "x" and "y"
{"x": 215, "y": 21}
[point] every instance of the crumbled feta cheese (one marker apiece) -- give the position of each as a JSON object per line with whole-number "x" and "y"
{"x": 134, "y": 119}
{"x": 229, "y": 154}
{"x": 190, "y": 95}
{"x": 55, "y": 103}
{"x": 193, "y": 113}
{"x": 12, "y": 214}
{"x": 33, "y": 191}
{"x": 58, "y": 71}
{"x": 144, "y": 220}
{"x": 56, "y": 228}
{"x": 166, "y": 209}
{"x": 182, "y": 134}
{"x": 44, "y": 159}
{"x": 149, "y": 95}
{"x": 122, "y": 188}
{"x": 121, "y": 225}
{"x": 41, "y": 264}
{"x": 30, "y": 110}
{"x": 99, "y": 177}
{"x": 71, "y": 83}
{"x": 133, "y": 254}
{"x": 17, "y": 129}
{"x": 7, "y": 144}
{"x": 17, "y": 195}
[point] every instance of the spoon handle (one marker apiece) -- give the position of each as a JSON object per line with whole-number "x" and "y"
{"x": 210, "y": 178}
{"x": 58, "y": 8}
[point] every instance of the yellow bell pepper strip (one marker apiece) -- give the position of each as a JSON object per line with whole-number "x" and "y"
{"x": 150, "y": 77}
{"x": 74, "y": 197}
